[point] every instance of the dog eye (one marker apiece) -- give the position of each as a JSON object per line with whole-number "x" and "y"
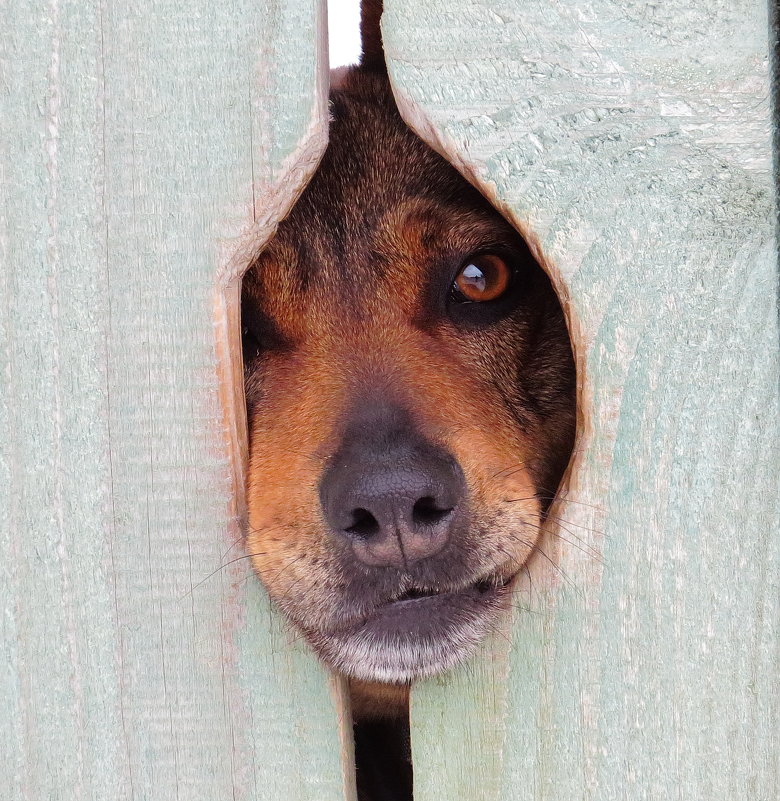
{"x": 482, "y": 278}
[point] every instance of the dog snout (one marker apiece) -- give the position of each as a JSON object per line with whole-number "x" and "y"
{"x": 395, "y": 497}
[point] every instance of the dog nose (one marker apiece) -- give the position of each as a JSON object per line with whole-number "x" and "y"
{"x": 396, "y": 498}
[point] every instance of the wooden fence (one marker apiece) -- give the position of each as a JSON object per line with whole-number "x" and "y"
{"x": 146, "y": 149}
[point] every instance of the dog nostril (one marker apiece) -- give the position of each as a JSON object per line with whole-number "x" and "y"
{"x": 426, "y": 513}
{"x": 364, "y": 524}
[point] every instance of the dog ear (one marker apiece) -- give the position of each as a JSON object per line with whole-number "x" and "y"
{"x": 373, "y": 57}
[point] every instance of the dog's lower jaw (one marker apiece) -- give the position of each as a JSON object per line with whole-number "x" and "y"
{"x": 414, "y": 639}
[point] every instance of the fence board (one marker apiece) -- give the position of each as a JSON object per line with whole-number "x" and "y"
{"x": 131, "y": 136}
{"x": 631, "y": 143}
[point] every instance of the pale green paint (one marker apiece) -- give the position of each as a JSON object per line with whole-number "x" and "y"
{"x": 632, "y": 142}
{"x": 476, "y": 740}
{"x": 129, "y": 136}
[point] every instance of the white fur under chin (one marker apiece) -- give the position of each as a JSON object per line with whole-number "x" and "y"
{"x": 363, "y": 656}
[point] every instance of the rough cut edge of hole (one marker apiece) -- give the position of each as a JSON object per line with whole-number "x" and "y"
{"x": 271, "y": 205}
{"x": 418, "y": 122}
{"x": 267, "y": 207}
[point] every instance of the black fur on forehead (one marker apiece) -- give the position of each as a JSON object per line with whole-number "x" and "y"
{"x": 373, "y": 162}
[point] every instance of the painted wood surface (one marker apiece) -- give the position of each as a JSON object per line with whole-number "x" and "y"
{"x": 143, "y": 146}
{"x": 631, "y": 143}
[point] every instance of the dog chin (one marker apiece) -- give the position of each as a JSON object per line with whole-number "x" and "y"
{"x": 412, "y": 638}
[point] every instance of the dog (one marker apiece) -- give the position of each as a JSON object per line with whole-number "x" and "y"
{"x": 410, "y": 393}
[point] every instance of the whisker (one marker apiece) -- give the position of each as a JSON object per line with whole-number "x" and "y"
{"x": 560, "y": 520}
{"x": 542, "y": 497}
{"x": 569, "y": 500}
{"x": 577, "y": 525}
{"x": 239, "y": 559}
{"x": 221, "y": 567}
{"x": 237, "y": 541}
{"x": 583, "y": 546}
{"x": 511, "y": 470}
{"x": 520, "y": 500}
{"x": 538, "y": 549}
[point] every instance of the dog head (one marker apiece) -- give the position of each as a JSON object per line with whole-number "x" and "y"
{"x": 410, "y": 392}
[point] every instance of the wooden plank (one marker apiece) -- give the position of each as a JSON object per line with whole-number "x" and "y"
{"x": 458, "y": 753}
{"x": 136, "y": 140}
{"x": 631, "y": 144}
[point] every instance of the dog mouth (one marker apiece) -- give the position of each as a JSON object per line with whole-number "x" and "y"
{"x": 416, "y": 633}
{"x": 418, "y": 594}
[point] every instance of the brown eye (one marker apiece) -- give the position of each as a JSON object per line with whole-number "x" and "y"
{"x": 483, "y": 278}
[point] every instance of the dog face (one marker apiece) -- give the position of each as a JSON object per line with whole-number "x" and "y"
{"x": 410, "y": 391}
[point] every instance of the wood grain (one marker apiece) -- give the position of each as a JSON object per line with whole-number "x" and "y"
{"x": 141, "y": 144}
{"x": 631, "y": 144}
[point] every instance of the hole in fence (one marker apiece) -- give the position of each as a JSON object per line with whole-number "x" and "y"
{"x": 409, "y": 389}
{"x": 383, "y": 759}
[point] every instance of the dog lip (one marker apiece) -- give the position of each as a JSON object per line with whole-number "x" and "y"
{"x": 428, "y": 612}
{"x": 412, "y": 595}
{"x": 418, "y": 596}
{"x": 407, "y": 637}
